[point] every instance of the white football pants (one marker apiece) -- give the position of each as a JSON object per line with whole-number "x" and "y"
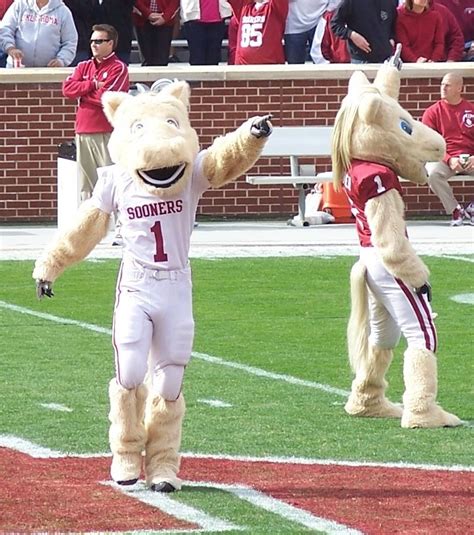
{"x": 396, "y": 309}
{"x": 153, "y": 317}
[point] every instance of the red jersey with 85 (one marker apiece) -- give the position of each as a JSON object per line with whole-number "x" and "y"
{"x": 261, "y": 29}
{"x": 365, "y": 181}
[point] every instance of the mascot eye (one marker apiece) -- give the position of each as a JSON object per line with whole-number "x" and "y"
{"x": 406, "y": 127}
{"x": 136, "y": 127}
{"x": 173, "y": 122}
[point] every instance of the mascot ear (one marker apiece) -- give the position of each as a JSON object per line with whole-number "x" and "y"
{"x": 357, "y": 83}
{"x": 111, "y": 100}
{"x": 370, "y": 106}
{"x": 179, "y": 90}
{"x": 387, "y": 81}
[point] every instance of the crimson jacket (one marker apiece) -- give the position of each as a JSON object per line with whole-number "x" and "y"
{"x": 4, "y": 5}
{"x": 141, "y": 11}
{"x": 82, "y": 84}
{"x": 453, "y": 37}
{"x": 421, "y": 34}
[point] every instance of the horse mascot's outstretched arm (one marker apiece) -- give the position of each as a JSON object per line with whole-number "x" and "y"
{"x": 155, "y": 185}
{"x": 375, "y": 141}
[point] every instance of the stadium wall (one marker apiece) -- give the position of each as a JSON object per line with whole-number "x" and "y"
{"x": 36, "y": 119}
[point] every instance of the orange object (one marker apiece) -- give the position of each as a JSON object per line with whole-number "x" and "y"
{"x": 336, "y": 203}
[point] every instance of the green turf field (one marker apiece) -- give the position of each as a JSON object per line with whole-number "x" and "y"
{"x": 284, "y": 316}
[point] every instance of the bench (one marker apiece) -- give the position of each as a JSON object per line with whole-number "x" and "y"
{"x": 296, "y": 142}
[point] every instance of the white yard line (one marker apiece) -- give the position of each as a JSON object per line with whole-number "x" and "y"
{"x": 217, "y": 403}
{"x": 175, "y": 508}
{"x": 455, "y": 257}
{"x": 39, "y": 452}
{"x": 201, "y": 356}
{"x": 55, "y": 407}
{"x": 278, "y": 507}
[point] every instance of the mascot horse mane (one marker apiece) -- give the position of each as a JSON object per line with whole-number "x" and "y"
{"x": 375, "y": 140}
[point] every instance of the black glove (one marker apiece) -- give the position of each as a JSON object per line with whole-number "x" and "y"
{"x": 44, "y": 288}
{"x": 395, "y": 60}
{"x": 261, "y": 126}
{"x": 425, "y": 289}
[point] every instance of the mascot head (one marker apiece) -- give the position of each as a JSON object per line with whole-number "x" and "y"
{"x": 372, "y": 126}
{"x": 152, "y": 137}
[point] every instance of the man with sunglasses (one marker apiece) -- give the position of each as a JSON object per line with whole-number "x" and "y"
{"x": 89, "y": 80}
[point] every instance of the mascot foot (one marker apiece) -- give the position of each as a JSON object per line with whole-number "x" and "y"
{"x": 436, "y": 417}
{"x": 127, "y": 482}
{"x": 421, "y": 387}
{"x": 382, "y": 408}
{"x": 164, "y": 486}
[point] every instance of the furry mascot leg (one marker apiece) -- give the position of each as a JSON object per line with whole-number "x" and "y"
{"x": 127, "y": 432}
{"x": 368, "y": 362}
{"x": 163, "y": 422}
{"x": 421, "y": 386}
{"x": 367, "y": 397}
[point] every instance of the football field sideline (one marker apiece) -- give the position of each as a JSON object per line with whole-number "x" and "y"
{"x": 200, "y": 356}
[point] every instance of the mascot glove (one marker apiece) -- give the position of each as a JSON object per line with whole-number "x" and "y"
{"x": 395, "y": 60}
{"x": 44, "y": 288}
{"x": 261, "y": 126}
{"x": 425, "y": 289}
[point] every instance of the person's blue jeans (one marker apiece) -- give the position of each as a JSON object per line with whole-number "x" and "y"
{"x": 358, "y": 61}
{"x": 298, "y": 45}
{"x": 3, "y": 59}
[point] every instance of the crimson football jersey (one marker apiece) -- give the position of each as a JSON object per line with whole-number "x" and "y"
{"x": 260, "y": 35}
{"x": 365, "y": 181}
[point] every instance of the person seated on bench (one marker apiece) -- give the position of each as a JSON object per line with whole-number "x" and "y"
{"x": 453, "y": 117}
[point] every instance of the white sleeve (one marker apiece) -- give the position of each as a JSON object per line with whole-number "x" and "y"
{"x": 103, "y": 196}
{"x": 200, "y": 183}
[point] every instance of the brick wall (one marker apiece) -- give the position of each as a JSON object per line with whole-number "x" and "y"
{"x": 36, "y": 119}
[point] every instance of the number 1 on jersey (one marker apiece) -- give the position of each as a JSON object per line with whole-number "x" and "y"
{"x": 160, "y": 255}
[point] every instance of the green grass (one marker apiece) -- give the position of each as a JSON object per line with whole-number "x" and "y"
{"x": 284, "y": 315}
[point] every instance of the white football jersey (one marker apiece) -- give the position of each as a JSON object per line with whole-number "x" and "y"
{"x": 156, "y": 233}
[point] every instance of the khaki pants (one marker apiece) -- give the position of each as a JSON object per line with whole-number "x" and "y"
{"x": 438, "y": 175}
{"x": 92, "y": 152}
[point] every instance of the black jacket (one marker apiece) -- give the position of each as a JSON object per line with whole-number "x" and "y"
{"x": 374, "y": 20}
{"x": 117, "y": 13}
{"x": 82, "y": 14}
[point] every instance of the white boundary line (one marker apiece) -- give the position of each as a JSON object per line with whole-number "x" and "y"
{"x": 40, "y": 452}
{"x": 279, "y": 507}
{"x": 201, "y": 356}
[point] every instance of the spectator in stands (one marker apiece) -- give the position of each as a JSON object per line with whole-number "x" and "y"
{"x": 4, "y": 5}
{"x": 420, "y": 30}
{"x": 82, "y": 14}
{"x": 453, "y": 37}
{"x": 232, "y": 31}
{"x": 38, "y": 33}
{"x": 89, "y": 80}
{"x": 368, "y": 27}
{"x": 117, "y": 13}
{"x": 154, "y": 23}
{"x": 463, "y": 10}
{"x": 331, "y": 49}
{"x": 260, "y": 33}
{"x": 204, "y": 27}
{"x": 453, "y": 118}
{"x": 303, "y": 17}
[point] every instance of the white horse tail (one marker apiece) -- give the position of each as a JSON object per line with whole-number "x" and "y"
{"x": 358, "y": 326}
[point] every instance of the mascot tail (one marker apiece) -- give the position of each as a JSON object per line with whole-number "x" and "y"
{"x": 358, "y": 327}
{"x": 369, "y": 363}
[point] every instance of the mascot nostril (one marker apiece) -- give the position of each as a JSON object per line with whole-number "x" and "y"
{"x": 155, "y": 184}
{"x": 163, "y": 177}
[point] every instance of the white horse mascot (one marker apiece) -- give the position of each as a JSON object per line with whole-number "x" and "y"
{"x": 376, "y": 141}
